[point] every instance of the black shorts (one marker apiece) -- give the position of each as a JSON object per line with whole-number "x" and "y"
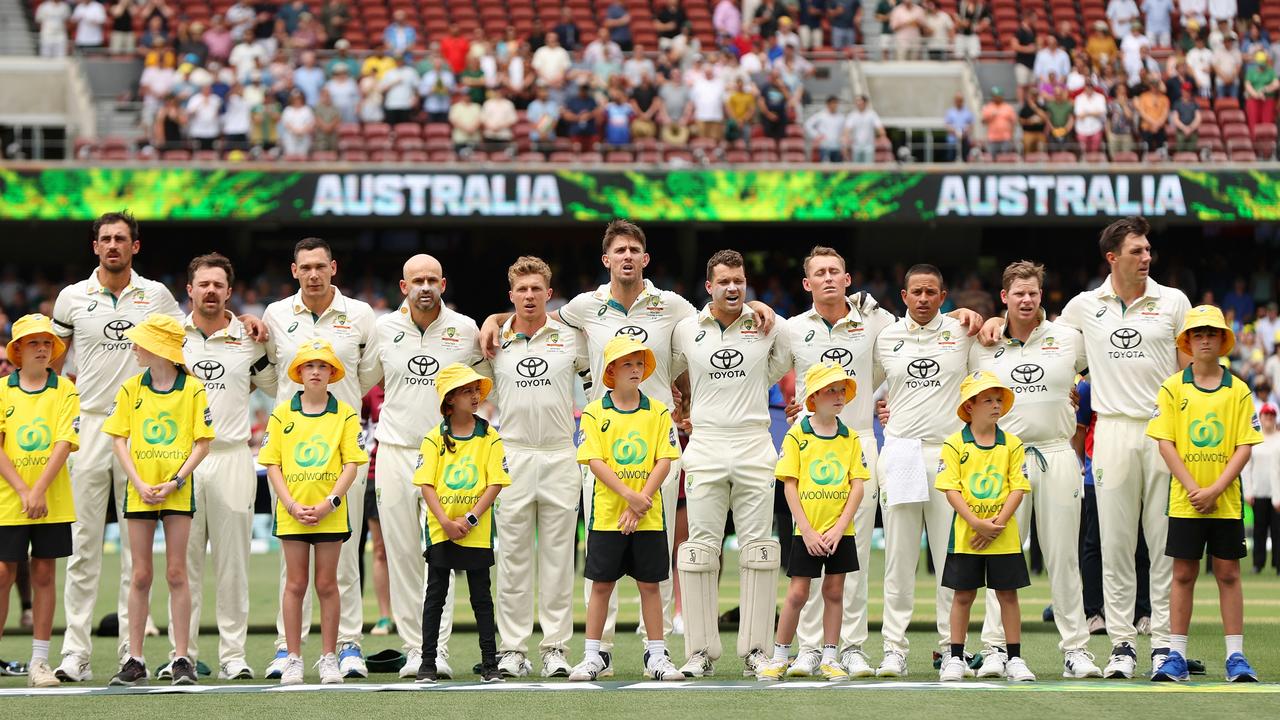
{"x": 370, "y": 501}
{"x": 802, "y": 564}
{"x": 643, "y": 555}
{"x": 317, "y": 538}
{"x": 44, "y": 540}
{"x": 451, "y": 555}
{"x": 1188, "y": 538}
{"x": 966, "y": 571}
{"x": 156, "y": 514}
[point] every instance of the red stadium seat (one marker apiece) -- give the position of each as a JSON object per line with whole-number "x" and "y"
{"x": 1095, "y": 158}
{"x": 737, "y": 156}
{"x": 561, "y": 157}
{"x": 355, "y": 156}
{"x": 1264, "y": 131}
{"x": 590, "y": 157}
{"x": 619, "y": 157}
{"x": 1063, "y": 157}
{"x": 1265, "y": 149}
{"x": 324, "y": 156}
{"x": 410, "y": 143}
{"x": 1186, "y": 157}
{"x": 1235, "y": 130}
{"x": 1008, "y": 158}
{"x": 1125, "y": 157}
{"x": 175, "y": 155}
{"x": 649, "y": 156}
{"x": 1245, "y": 155}
{"x": 407, "y": 129}
{"x": 1037, "y": 157}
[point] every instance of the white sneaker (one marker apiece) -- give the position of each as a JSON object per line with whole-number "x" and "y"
{"x": 993, "y": 663}
{"x": 330, "y": 673}
{"x": 893, "y": 665}
{"x": 662, "y": 669}
{"x": 1079, "y": 664}
{"x": 166, "y": 671}
{"x": 40, "y": 675}
{"x": 351, "y": 661}
{"x": 1122, "y": 663}
{"x": 698, "y": 665}
{"x": 753, "y": 662}
{"x": 443, "y": 670}
{"x": 587, "y": 670}
{"x": 805, "y": 664}
{"x": 554, "y": 664}
{"x": 677, "y": 625}
{"x": 953, "y": 669}
{"x": 235, "y": 670}
{"x": 291, "y": 670}
{"x": 1016, "y": 670}
{"x": 275, "y": 668}
{"x": 514, "y": 665}
{"x": 74, "y": 668}
{"x": 856, "y": 664}
{"x": 412, "y": 661}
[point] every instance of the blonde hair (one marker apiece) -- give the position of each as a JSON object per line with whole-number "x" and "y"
{"x": 1023, "y": 270}
{"x": 528, "y": 265}
{"x": 822, "y": 251}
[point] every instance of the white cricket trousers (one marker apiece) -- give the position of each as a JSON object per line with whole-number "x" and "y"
{"x": 94, "y": 473}
{"x": 1132, "y": 486}
{"x": 1056, "y": 490}
{"x": 537, "y": 516}
{"x": 225, "y": 485}
{"x": 401, "y": 516}
{"x": 853, "y": 623}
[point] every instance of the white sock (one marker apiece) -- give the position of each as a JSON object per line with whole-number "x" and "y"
{"x": 828, "y": 654}
{"x": 1178, "y": 644}
{"x": 1235, "y": 644}
{"x": 781, "y": 652}
{"x": 656, "y": 648}
{"x": 39, "y": 651}
{"x": 142, "y": 661}
{"x": 591, "y": 650}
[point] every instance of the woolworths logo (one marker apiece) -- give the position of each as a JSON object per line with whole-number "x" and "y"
{"x": 1208, "y": 432}
{"x": 631, "y": 450}
{"x": 35, "y": 437}
{"x": 461, "y": 475}
{"x": 826, "y": 470}
{"x": 160, "y": 430}
{"x": 312, "y": 453}
{"x": 986, "y": 484}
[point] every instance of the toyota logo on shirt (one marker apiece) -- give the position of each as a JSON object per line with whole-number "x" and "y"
{"x": 209, "y": 370}
{"x": 635, "y": 331}
{"x": 838, "y": 355}
{"x": 532, "y": 367}
{"x": 115, "y": 329}
{"x": 923, "y": 369}
{"x": 726, "y": 359}
{"x": 1126, "y": 338}
{"x": 1027, "y": 374}
{"x": 423, "y": 365}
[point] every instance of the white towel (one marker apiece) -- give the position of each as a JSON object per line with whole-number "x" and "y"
{"x": 903, "y": 475}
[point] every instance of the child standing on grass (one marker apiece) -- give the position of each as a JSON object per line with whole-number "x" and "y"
{"x": 982, "y": 473}
{"x": 461, "y": 469}
{"x": 162, "y": 428}
{"x": 628, "y": 442}
{"x": 1206, "y": 426}
{"x": 823, "y": 469}
{"x": 311, "y": 451}
{"x": 40, "y": 427}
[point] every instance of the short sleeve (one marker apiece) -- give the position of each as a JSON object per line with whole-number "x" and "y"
{"x": 789, "y": 460}
{"x": 1072, "y": 315}
{"x": 667, "y": 443}
{"x": 949, "y": 470}
{"x": 858, "y": 469}
{"x": 269, "y": 453}
{"x": 118, "y": 422}
{"x": 68, "y": 429}
{"x": 1163, "y": 423}
{"x": 495, "y": 472}
{"x": 63, "y": 326}
{"x": 352, "y": 452}
{"x": 1018, "y": 469}
{"x": 572, "y": 313}
{"x": 589, "y": 439}
{"x": 167, "y": 304}
{"x": 424, "y": 472}
{"x": 201, "y": 416}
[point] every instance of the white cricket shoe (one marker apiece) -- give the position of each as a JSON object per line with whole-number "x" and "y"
{"x": 235, "y": 670}
{"x": 587, "y": 670}
{"x": 74, "y": 668}
{"x": 893, "y": 665}
{"x": 412, "y": 661}
{"x": 753, "y": 662}
{"x": 330, "y": 674}
{"x": 1079, "y": 664}
{"x": 291, "y": 670}
{"x": 1122, "y": 663}
{"x": 993, "y": 663}
{"x": 554, "y": 664}
{"x": 1016, "y": 670}
{"x": 855, "y": 662}
{"x": 351, "y": 661}
{"x": 660, "y": 667}
{"x": 443, "y": 670}
{"x": 698, "y": 665}
{"x": 953, "y": 669}
{"x": 514, "y": 665}
{"x": 805, "y": 664}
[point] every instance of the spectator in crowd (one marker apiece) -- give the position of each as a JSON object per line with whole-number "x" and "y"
{"x": 265, "y": 132}
{"x": 740, "y": 111}
{"x": 907, "y": 21}
{"x": 399, "y": 36}
{"x": 825, "y": 129}
{"x": 466, "y": 117}
{"x": 1142, "y": 65}
{"x": 1158, "y": 15}
{"x": 508, "y": 46}
{"x": 291, "y": 13}
{"x": 567, "y": 30}
{"x": 399, "y": 87}
{"x": 297, "y": 125}
{"x": 707, "y": 95}
{"x": 1066, "y": 36}
{"x": 166, "y": 132}
{"x": 52, "y": 17}
{"x": 123, "y": 40}
{"x": 938, "y": 29}
{"x": 973, "y": 21}
{"x": 794, "y": 69}
{"x": 474, "y": 81}
{"x": 884, "y": 8}
{"x": 647, "y": 106}
{"x": 309, "y": 78}
{"x": 1153, "y": 115}
{"x": 1052, "y": 60}
{"x": 1261, "y": 87}
{"x": 203, "y": 112}
{"x": 1131, "y": 46}
{"x": 1090, "y": 119}
{"x": 1025, "y": 49}
{"x": 1032, "y": 118}
{"x": 959, "y": 124}
{"x": 543, "y": 114}
{"x": 264, "y": 27}
{"x": 580, "y": 113}
{"x": 999, "y": 119}
{"x": 600, "y": 48}
{"x": 1122, "y": 13}
{"x": 1185, "y": 114}
{"x": 1268, "y": 326}
{"x": 773, "y": 104}
{"x": 812, "y": 14}
{"x": 344, "y": 93}
{"x": 552, "y": 62}
{"x": 673, "y": 115}
{"x": 1061, "y": 114}
{"x": 766, "y": 17}
{"x": 310, "y": 34}
{"x": 1101, "y": 46}
{"x": 862, "y": 128}
{"x": 784, "y": 37}
{"x": 240, "y": 18}
{"x": 189, "y": 45}
{"x": 618, "y": 22}
{"x": 436, "y": 86}
{"x": 1217, "y": 37}
{"x": 637, "y": 66}
{"x": 618, "y": 114}
{"x": 1220, "y": 10}
{"x": 370, "y": 108}
{"x": 90, "y": 17}
{"x": 845, "y": 17}
{"x": 1180, "y": 83}
{"x": 1200, "y": 62}
{"x": 455, "y": 47}
{"x": 726, "y": 19}
{"x": 237, "y": 119}
{"x": 480, "y": 47}
{"x": 217, "y": 39}
{"x": 328, "y": 118}
{"x": 498, "y": 119}
{"x": 1227, "y": 64}
{"x": 335, "y": 15}
{"x": 377, "y": 63}
{"x": 1193, "y": 13}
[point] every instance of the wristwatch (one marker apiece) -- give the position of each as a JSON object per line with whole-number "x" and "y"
{"x": 179, "y": 481}
{"x": 472, "y": 520}
{"x": 335, "y": 501}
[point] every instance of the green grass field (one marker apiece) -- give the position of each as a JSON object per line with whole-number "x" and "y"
{"x": 1262, "y": 643}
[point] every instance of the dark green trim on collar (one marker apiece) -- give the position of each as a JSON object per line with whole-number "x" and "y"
{"x": 50, "y": 383}
{"x": 178, "y": 384}
{"x": 807, "y": 427}
{"x": 607, "y": 403}
{"x": 480, "y": 430}
{"x": 966, "y": 435}
{"x": 1190, "y": 377}
{"x": 295, "y": 404}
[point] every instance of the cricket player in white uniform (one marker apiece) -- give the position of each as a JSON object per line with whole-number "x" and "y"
{"x": 414, "y": 343}
{"x": 729, "y": 465}
{"x": 538, "y": 363}
{"x": 320, "y": 310}
{"x": 1130, "y": 328}
{"x": 92, "y": 316}
{"x": 221, "y": 354}
{"x": 924, "y": 357}
{"x": 1039, "y": 361}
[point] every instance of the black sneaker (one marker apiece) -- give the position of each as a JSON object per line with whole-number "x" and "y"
{"x": 183, "y": 672}
{"x": 490, "y": 674}
{"x": 427, "y": 674}
{"x": 1195, "y": 667}
{"x": 131, "y": 674}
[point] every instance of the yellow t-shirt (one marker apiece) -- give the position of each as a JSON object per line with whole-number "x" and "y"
{"x": 824, "y": 469}
{"x": 985, "y": 476}
{"x": 162, "y": 427}
{"x": 32, "y": 423}
{"x": 1206, "y": 426}
{"x": 460, "y": 477}
{"x": 630, "y": 442}
{"x": 303, "y": 446}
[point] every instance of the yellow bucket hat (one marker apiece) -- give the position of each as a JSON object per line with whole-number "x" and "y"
{"x": 317, "y": 349}
{"x": 621, "y": 346}
{"x": 456, "y": 375}
{"x": 1205, "y": 316}
{"x": 822, "y": 375}
{"x": 28, "y": 325}
{"x": 974, "y": 385}
{"x": 161, "y": 335}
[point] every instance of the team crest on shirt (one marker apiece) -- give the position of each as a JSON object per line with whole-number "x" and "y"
{"x": 362, "y": 438}
{"x": 654, "y": 305}
{"x": 749, "y": 328}
{"x": 504, "y": 463}
{"x": 946, "y": 340}
{"x": 1150, "y": 309}
{"x": 671, "y": 435}
{"x": 863, "y": 459}
{"x": 8, "y": 412}
{"x": 266, "y": 437}
{"x": 450, "y": 336}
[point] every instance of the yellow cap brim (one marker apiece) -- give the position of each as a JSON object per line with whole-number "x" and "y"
{"x": 850, "y": 392}
{"x": 977, "y": 390}
{"x": 650, "y": 364}
{"x": 14, "y": 351}
{"x": 148, "y": 340}
{"x": 1228, "y": 343}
